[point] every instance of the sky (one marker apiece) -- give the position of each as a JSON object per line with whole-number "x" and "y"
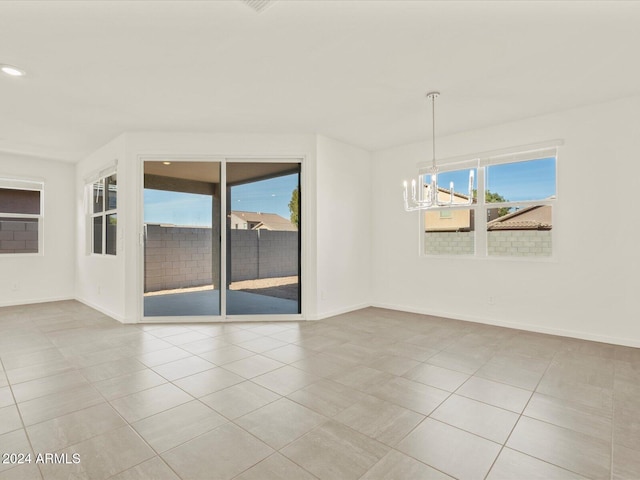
{"x": 520, "y": 181}
{"x": 266, "y": 196}
{"x": 531, "y": 180}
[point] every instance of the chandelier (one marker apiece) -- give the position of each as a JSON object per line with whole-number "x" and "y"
{"x": 430, "y": 194}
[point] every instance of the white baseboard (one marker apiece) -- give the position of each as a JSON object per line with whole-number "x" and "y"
{"x": 517, "y": 326}
{"x": 13, "y": 303}
{"x": 107, "y": 312}
{"x": 401, "y": 308}
{"x": 339, "y": 311}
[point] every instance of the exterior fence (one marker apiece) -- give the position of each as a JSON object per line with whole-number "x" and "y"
{"x": 177, "y": 257}
{"x": 520, "y": 243}
{"x": 449, "y": 243}
{"x": 263, "y": 254}
{"x": 502, "y": 243}
{"x": 18, "y": 235}
{"x": 181, "y": 257}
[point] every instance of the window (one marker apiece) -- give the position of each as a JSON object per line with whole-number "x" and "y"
{"x": 512, "y": 206}
{"x": 104, "y": 215}
{"x": 20, "y": 216}
{"x": 519, "y": 199}
{"x": 451, "y": 230}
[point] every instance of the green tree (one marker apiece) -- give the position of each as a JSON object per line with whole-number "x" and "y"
{"x": 294, "y": 206}
{"x": 493, "y": 197}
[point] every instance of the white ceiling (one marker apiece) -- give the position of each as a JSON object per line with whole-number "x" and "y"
{"x": 356, "y": 70}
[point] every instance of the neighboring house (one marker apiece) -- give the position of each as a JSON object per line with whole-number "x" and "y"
{"x": 260, "y": 221}
{"x": 449, "y": 220}
{"x": 536, "y": 217}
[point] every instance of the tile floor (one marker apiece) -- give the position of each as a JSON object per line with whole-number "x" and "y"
{"x": 373, "y": 394}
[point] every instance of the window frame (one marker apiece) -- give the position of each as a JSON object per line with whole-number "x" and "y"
{"x": 443, "y": 169}
{"x": 32, "y": 185}
{"x": 481, "y": 163}
{"x": 103, "y": 214}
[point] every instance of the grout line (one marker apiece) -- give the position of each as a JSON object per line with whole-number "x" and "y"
{"x": 366, "y": 328}
{"x": 273, "y": 455}
{"x": 127, "y": 424}
{"x": 78, "y": 369}
{"x": 519, "y": 417}
{"x": 107, "y": 402}
{"x": 24, "y": 428}
{"x": 613, "y": 416}
{"x": 393, "y": 449}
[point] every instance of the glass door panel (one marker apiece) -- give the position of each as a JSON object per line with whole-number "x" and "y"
{"x": 182, "y": 227}
{"x": 263, "y": 238}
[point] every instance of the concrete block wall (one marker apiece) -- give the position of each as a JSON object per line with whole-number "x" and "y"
{"x": 278, "y": 255}
{"x": 181, "y": 257}
{"x": 18, "y": 236}
{"x": 502, "y": 243}
{"x": 263, "y": 254}
{"x": 519, "y": 243}
{"x": 177, "y": 257}
{"x": 449, "y": 243}
{"x": 244, "y": 255}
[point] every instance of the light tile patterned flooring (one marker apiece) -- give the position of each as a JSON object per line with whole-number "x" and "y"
{"x": 373, "y": 394}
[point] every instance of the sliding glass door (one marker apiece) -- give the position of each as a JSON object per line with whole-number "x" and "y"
{"x": 182, "y": 238}
{"x": 263, "y": 238}
{"x": 197, "y": 265}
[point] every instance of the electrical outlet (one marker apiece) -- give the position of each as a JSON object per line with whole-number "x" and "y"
{"x": 492, "y": 300}
{"x": 15, "y": 287}
{"x": 99, "y": 289}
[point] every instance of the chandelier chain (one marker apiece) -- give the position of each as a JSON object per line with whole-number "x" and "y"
{"x": 433, "y": 129}
{"x": 425, "y": 196}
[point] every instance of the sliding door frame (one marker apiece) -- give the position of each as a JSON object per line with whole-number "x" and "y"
{"x": 223, "y": 161}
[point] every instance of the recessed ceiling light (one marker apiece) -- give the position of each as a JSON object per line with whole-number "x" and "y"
{"x": 166, "y": 163}
{"x": 12, "y": 71}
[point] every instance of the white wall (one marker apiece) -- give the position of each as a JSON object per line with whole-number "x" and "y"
{"x": 100, "y": 280}
{"x": 344, "y": 227}
{"x": 336, "y": 222}
{"x": 29, "y": 279}
{"x": 587, "y": 292}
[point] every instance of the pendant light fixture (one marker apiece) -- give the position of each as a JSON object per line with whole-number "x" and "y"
{"x": 431, "y": 195}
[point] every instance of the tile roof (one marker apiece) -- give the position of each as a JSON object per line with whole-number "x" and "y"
{"x": 536, "y": 217}
{"x": 269, "y": 221}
